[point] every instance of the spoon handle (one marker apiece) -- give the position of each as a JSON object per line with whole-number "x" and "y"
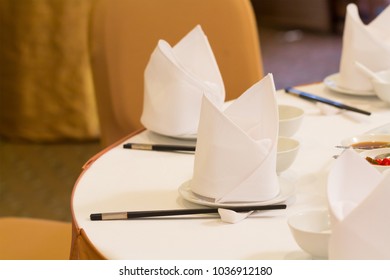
{"x": 368, "y": 71}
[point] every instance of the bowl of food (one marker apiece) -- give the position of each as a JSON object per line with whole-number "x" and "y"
{"x": 311, "y": 230}
{"x": 379, "y": 158}
{"x": 287, "y": 151}
{"x": 290, "y": 119}
{"x": 367, "y": 142}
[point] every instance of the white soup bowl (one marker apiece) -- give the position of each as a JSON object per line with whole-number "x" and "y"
{"x": 286, "y": 153}
{"x": 311, "y": 230}
{"x": 290, "y": 120}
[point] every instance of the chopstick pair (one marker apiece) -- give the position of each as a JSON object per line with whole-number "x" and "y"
{"x": 312, "y": 97}
{"x": 158, "y": 147}
{"x": 177, "y": 212}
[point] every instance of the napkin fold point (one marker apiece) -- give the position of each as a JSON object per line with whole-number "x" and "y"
{"x": 235, "y": 159}
{"x": 175, "y": 80}
{"x": 368, "y": 44}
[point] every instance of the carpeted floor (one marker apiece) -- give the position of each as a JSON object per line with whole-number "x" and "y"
{"x": 36, "y": 180}
{"x": 296, "y": 57}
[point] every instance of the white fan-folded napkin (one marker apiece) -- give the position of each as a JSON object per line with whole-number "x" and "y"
{"x": 235, "y": 158}
{"x": 366, "y": 44}
{"x": 175, "y": 80}
{"x": 358, "y": 197}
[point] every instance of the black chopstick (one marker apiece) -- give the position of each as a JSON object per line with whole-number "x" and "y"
{"x": 158, "y": 147}
{"x": 176, "y": 212}
{"x": 312, "y": 97}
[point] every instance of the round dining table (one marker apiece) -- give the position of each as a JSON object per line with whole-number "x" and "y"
{"x": 125, "y": 180}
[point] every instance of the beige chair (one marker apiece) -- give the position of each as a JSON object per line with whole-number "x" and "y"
{"x": 125, "y": 32}
{"x": 34, "y": 239}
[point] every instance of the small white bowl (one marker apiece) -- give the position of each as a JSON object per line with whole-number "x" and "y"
{"x": 382, "y": 88}
{"x": 371, "y": 139}
{"x": 286, "y": 153}
{"x": 290, "y": 119}
{"x": 311, "y": 230}
{"x": 373, "y": 154}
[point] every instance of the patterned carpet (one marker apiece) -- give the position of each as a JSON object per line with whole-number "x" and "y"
{"x": 36, "y": 180}
{"x": 296, "y": 57}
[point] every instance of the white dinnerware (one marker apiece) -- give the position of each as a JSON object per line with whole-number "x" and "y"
{"x": 332, "y": 83}
{"x": 290, "y": 120}
{"x": 371, "y": 74}
{"x": 373, "y": 154}
{"x": 286, "y": 191}
{"x": 287, "y": 152}
{"x": 311, "y": 231}
{"x": 367, "y": 141}
{"x": 382, "y": 86}
{"x": 380, "y": 81}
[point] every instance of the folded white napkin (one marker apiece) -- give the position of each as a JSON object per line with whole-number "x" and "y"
{"x": 235, "y": 158}
{"x": 359, "y": 207}
{"x": 367, "y": 44}
{"x": 175, "y": 80}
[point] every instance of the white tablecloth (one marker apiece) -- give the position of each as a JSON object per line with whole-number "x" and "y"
{"x": 126, "y": 180}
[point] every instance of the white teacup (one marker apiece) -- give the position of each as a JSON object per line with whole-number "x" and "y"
{"x": 286, "y": 153}
{"x": 311, "y": 230}
{"x": 290, "y": 119}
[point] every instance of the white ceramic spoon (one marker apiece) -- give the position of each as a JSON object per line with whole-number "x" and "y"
{"x": 369, "y": 72}
{"x": 231, "y": 216}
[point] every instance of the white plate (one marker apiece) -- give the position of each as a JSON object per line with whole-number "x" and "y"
{"x": 286, "y": 190}
{"x": 185, "y": 137}
{"x": 331, "y": 82}
{"x": 179, "y": 137}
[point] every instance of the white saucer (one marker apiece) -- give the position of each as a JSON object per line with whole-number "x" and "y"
{"x": 185, "y": 137}
{"x": 286, "y": 190}
{"x": 178, "y": 137}
{"x": 331, "y": 82}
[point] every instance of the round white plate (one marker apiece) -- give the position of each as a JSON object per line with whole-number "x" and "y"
{"x": 331, "y": 82}
{"x": 286, "y": 190}
{"x": 179, "y": 137}
{"x": 185, "y": 137}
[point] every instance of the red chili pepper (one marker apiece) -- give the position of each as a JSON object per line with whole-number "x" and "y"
{"x": 385, "y": 161}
